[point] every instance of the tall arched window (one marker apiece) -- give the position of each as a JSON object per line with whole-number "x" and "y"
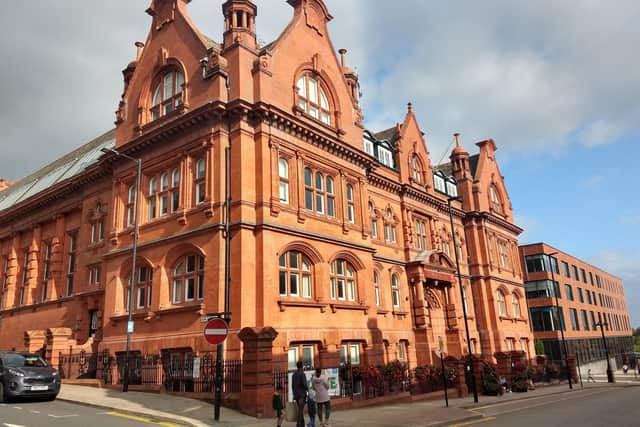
{"x": 464, "y": 300}
{"x": 295, "y": 275}
{"x": 331, "y": 198}
{"x": 312, "y": 99}
{"x": 283, "y": 174}
{"x": 494, "y": 198}
{"x": 175, "y": 189}
{"x": 201, "y": 169}
{"x": 416, "y": 169}
{"x": 164, "y": 194}
{"x": 131, "y": 197}
{"x": 188, "y": 279}
{"x": 151, "y": 205}
{"x": 167, "y": 95}
{"x": 515, "y": 305}
{"x": 343, "y": 280}
{"x": 395, "y": 290}
{"x": 143, "y": 287}
{"x": 319, "y": 193}
{"x": 351, "y": 210}
{"x": 502, "y": 306}
{"x": 376, "y": 287}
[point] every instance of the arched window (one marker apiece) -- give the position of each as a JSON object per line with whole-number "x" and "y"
{"x": 308, "y": 189}
{"x": 343, "y": 280}
{"x": 153, "y": 190}
{"x": 188, "y": 279}
{"x": 201, "y": 169}
{"x": 319, "y": 193}
{"x": 312, "y": 99}
{"x": 515, "y": 305}
{"x": 502, "y": 306}
{"x": 494, "y": 198}
{"x": 175, "y": 189}
{"x": 331, "y": 198}
{"x": 164, "y": 194}
{"x": 351, "y": 210}
{"x": 131, "y": 196}
{"x": 295, "y": 275}
{"x": 143, "y": 287}
{"x": 416, "y": 169}
{"x": 464, "y": 300}
{"x": 283, "y": 174}
{"x": 167, "y": 95}
{"x": 376, "y": 287}
{"x": 395, "y": 290}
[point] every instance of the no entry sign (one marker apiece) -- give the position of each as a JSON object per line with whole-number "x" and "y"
{"x": 216, "y": 331}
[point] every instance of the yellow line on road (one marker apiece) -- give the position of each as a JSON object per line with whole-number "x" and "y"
{"x": 142, "y": 420}
{"x": 468, "y": 423}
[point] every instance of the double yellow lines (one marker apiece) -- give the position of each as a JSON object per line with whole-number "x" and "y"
{"x": 142, "y": 420}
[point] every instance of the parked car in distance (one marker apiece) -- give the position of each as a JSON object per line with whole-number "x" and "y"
{"x": 27, "y": 375}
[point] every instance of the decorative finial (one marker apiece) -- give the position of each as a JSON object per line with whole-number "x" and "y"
{"x": 343, "y": 61}
{"x": 139, "y": 47}
{"x": 410, "y": 107}
{"x": 457, "y": 137}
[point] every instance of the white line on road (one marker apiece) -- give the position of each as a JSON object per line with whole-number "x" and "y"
{"x": 63, "y": 416}
{"x": 33, "y": 411}
{"x": 195, "y": 408}
{"x": 17, "y": 407}
{"x": 11, "y": 425}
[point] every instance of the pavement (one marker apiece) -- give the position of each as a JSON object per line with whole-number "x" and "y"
{"x": 190, "y": 412}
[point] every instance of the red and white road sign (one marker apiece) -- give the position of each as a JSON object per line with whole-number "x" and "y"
{"x": 216, "y": 331}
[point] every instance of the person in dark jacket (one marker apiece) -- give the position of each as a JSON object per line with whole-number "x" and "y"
{"x": 278, "y": 405}
{"x": 299, "y": 388}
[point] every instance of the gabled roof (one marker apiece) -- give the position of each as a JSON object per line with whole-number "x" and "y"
{"x": 390, "y": 135}
{"x": 57, "y": 171}
{"x": 447, "y": 169}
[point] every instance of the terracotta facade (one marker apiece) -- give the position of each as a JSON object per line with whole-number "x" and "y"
{"x": 586, "y": 296}
{"x": 340, "y": 237}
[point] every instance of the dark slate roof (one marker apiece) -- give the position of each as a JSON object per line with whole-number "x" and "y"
{"x": 446, "y": 168}
{"x": 58, "y": 171}
{"x": 390, "y": 135}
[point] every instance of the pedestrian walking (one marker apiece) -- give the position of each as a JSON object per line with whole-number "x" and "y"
{"x": 311, "y": 407}
{"x": 320, "y": 384}
{"x": 625, "y": 368}
{"x": 589, "y": 376}
{"x": 299, "y": 387}
{"x": 278, "y": 405}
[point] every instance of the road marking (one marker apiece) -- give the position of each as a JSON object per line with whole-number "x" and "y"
{"x": 11, "y": 425}
{"x": 195, "y": 408}
{"x": 468, "y": 423}
{"x": 543, "y": 403}
{"x": 142, "y": 420}
{"x": 17, "y": 407}
{"x": 63, "y": 416}
{"x": 33, "y": 411}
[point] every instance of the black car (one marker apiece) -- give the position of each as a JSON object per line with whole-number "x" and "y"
{"x": 27, "y": 375}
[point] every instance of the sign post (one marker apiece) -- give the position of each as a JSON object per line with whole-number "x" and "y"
{"x": 215, "y": 332}
{"x": 444, "y": 374}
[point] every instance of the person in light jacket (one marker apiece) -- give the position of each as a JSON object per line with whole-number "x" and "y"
{"x": 320, "y": 384}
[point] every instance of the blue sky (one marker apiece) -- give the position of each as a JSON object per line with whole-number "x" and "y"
{"x": 555, "y": 84}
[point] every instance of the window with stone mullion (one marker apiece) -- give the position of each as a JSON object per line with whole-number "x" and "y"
{"x": 167, "y": 95}
{"x": 342, "y": 281}
{"x": 294, "y": 275}
{"x": 188, "y": 279}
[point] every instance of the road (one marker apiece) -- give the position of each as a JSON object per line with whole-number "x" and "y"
{"x": 65, "y": 414}
{"x": 605, "y": 406}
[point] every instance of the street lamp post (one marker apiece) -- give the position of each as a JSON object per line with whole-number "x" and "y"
{"x": 603, "y": 322}
{"x": 464, "y": 308}
{"x": 559, "y": 322}
{"x": 136, "y": 199}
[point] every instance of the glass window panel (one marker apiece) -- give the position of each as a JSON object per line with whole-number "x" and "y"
{"x": 313, "y": 111}
{"x": 293, "y": 283}
{"x": 179, "y": 82}
{"x": 329, "y": 185}
{"x": 324, "y": 103}
{"x": 293, "y": 259}
{"x": 283, "y": 283}
{"x": 325, "y": 118}
{"x": 331, "y": 207}
{"x": 292, "y": 358}
{"x": 190, "y": 288}
{"x": 283, "y": 168}
{"x": 168, "y": 83}
{"x": 306, "y": 286}
{"x": 313, "y": 90}
{"x": 300, "y": 86}
{"x": 156, "y": 95}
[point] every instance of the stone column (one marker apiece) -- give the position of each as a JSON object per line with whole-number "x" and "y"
{"x": 257, "y": 371}
{"x": 58, "y": 340}
{"x": 572, "y": 367}
{"x": 34, "y": 340}
{"x": 504, "y": 365}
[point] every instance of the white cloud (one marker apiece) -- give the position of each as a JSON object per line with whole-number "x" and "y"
{"x": 533, "y": 75}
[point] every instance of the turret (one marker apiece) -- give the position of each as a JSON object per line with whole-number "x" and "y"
{"x": 239, "y": 23}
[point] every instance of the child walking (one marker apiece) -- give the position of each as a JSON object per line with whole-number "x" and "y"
{"x": 278, "y": 405}
{"x": 311, "y": 407}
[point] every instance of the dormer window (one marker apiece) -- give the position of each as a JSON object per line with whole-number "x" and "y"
{"x": 312, "y": 99}
{"x": 368, "y": 147}
{"x": 385, "y": 156}
{"x": 438, "y": 183}
{"x": 445, "y": 184}
{"x": 167, "y": 95}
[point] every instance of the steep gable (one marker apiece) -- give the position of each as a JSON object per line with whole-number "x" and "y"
{"x": 413, "y": 157}
{"x": 487, "y": 175}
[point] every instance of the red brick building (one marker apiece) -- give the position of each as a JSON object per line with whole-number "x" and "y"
{"x": 340, "y": 236}
{"x": 586, "y": 296}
